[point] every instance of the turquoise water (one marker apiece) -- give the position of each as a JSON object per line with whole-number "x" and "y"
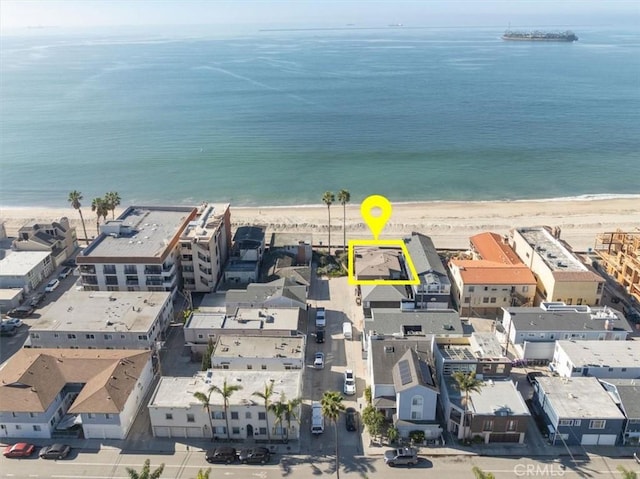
{"x": 277, "y": 118}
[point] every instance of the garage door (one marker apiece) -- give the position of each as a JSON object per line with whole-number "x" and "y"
{"x": 177, "y": 431}
{"x": 194, "y": 432}
{"x": 590, "y": 439}
{"x": 504, "y": 437}
{"x": 161, "y": 431}
{"x": 598, "y": 439}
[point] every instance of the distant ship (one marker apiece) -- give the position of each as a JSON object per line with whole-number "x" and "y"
{"x": 540, "y": 36}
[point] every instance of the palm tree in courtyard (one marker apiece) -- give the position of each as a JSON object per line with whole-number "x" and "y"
{"x": 74, "y": 198}
{"x": 291, "y": 411}
{"x": 331, "y": 408}
{"x": 343, "y": 198}
{"x": 226, "y": 392}
{"x": 328, "y": 199}
{"x": 205, "y": 399}
{"x": 100, "y": 207}
{"x": 480, "y": 474}
{"x": 466, "y": 383}
{"x": 266, "y": 399}
{"x": 112, "y": 199}
{"x": 202, "y": 474}
{"x": 146, "y": 471}
{"x": 278, "y": 409}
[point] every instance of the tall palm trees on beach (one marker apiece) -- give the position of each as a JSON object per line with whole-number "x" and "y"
{"x": 112, "y": 199}
{"x": 328, "y": 199}
{"x": 74, "y": 198}
{"x": 343, "y": 198}
{"x": 99, "y": 205}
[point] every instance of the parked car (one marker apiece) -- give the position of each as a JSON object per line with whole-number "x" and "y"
{"x": 36, "y": 300}
{"x": 321, "y": 319}
{"x": 64, "y": 273}
{"x": 402, "y": 456}
{"x": 23, "y": 311}
{"x": 71, "y": 262}
{"x": 52, "y": 285}
{"x": 20, "y": 449}
{"x": 55, "y": 451}
{"x": 15, "y": 322}
{"x": 319, "y": 336}
{"x": 349, "y": 382}
{"x": 223, "y": 454}
{"x": 7, "y": 329}
{"x": 351, "y": 419}
{"x": 256, "y": 455}
{"x": 531, "y": 376}
{"x": 318, "y": 360}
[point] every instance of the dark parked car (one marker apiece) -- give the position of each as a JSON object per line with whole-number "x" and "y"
{"x": 55, "y": 451}
{"x": 256, "y": 455}
{"x": 531, "y": 376}
{"x": 224, "y": 454}
{"x": 23, "y": 311}
{"x": 319, "y": 336}
{"x": 351, "y": 419}
{"x": 36, "y": 300}
{"x": 7, "y": 329}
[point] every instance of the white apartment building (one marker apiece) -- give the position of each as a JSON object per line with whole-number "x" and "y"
{"x": 259, "y": 353}
{"x": 103, "y": 320}
{"x": 600, "y": 359}
{"x": 25, "y": 269}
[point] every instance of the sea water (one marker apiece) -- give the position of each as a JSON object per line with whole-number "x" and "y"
{"x": 279, "y": 117}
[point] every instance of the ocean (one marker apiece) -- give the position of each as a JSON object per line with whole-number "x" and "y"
{"x": 279, "y": 117}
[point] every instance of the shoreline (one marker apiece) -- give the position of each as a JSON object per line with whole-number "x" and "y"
{"x": 449, "y": 223}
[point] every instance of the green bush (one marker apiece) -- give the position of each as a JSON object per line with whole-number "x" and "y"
{"x": 417, "y": 437}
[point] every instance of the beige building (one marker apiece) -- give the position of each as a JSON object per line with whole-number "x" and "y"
{"x": 377, "y": 263}
{"x": 560, "y": 274}
{"x": 57, "y": 238}
{"x": 620, "y": 255}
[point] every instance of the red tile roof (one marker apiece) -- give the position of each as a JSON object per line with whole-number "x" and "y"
{"x": 491, "y": 272}
{"x": 490, "y": 246}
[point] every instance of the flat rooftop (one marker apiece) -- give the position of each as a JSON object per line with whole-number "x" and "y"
{"x": 206, "y": 320}
{"x": 496, "y": 397}
{"x": 283, "y": 240}
{"x": 486, "y": 345}
{"x": 178, "y": 391}
{"x": 259, "y": 347}
{"x": 19, "y": 263}
{"x": 553, "y": 252}
{"x": 209, "y": 219}
{"x": 391, "y": 321}
{"x": 569, "y": 318}
{"x": 600, "y": 353}
{"x": 102, "y": 311}
{"x": 580, "y": 397}
{"x": 146, "y": 233}
{"x": 247, "y": 318}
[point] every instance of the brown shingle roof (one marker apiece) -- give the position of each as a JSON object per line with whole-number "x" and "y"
{"x": 32, "y": 378}
{"x": 491, "y": 272}
{"x": 491, "y": 247}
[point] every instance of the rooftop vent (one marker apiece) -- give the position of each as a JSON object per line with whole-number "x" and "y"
{"x": 388, "y": 349}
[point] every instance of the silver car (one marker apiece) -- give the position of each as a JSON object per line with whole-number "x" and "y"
{"x": 318, "y": 360}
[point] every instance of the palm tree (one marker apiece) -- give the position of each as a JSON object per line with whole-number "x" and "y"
{"x": 328, "y": 198}
{"x": 331, "y": 408}
{"x": 112, "y": 199}
{"x": 344, "y": 197}
{"x": 467, "y": 383}
{"x": 226, "y": 392}
{"x": 205, "y": 399}
{"x": 266, "y": 398}
{"x": 279, "y": 408}
{"x": 291, "y": 413}
{"x": 146, "y": 471}
{"x": 203, "y": 474}
{"x": 74, "y": 198}
{"x": 100, "y": 207}
{"x": 480, "y": 474}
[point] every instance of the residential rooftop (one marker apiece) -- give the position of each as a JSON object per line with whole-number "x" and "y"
{"x": 248, "y": 319}
{"x": 385, "y": 353}
{"x": 481, "y": 271}
{"x": 554, "y": 253}
{"x": 480, "y": 347}
{"x": 379, "y": 263}
{"x": 259, "y": 347}
{"x": 499, "y": 398}
{"x": 391, "y": 321}
{"x": 140, "y": 232}
{"x": 20, "y": 263}
{"x": 579, "y": 397}
{"x": 601, "y": 353}
{"x": 493, "y": 247}
{"x": 178, "y": 391}
{"x": 102, "y": 311}
{"x": 283, "y": 240}
{"x": 425, "y": 258}
{"x": 626, "y": 392}
{"x": 208, "y": 221}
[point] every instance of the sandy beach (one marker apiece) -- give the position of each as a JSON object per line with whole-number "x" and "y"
{"x": 450, "y": 224}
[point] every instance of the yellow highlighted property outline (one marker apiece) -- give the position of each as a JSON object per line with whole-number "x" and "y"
{"x": 385, "y": 282}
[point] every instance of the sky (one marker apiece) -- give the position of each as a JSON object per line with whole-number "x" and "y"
{"x": 17, "y": 14}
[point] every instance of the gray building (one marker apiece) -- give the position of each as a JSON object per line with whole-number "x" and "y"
{"x": 480, "y": 353}
{"x": 597, "y": 358}
{"x": 626, "y": 394}
{"x": 281, "y": 293}
{"x": 578, "y": 411}
{"x": 434, "y": 290}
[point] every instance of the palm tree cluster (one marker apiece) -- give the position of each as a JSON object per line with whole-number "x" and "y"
{"x": 101, "y": 206}
{"x": 146, "y": 472}
{"x": 344, "y": 197}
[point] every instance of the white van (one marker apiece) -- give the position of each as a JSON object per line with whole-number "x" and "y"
{"x": 347, "y": 330}
{"x": 317, "y": 419}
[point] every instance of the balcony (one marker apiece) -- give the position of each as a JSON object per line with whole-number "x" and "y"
{"x": 153, "y": 270}
{"x": 88, "y": 269}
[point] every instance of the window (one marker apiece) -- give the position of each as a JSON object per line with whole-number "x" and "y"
{"x": 225, "y": 365}
{"x": 566, "y": 422}
{"x": 467, "y": 299}
{"x": 486, "y": 288}
{"x": 262, "y": 416}
{"x": 107, "y": 416}
{"x": 35, "y": 336}
{"x": 191, "y": 418}
{"x": 142, "y": 337}
{"x": 235, "y": 430}
{"x": 487, "y": 425}
{"x": 600, "y": 286}
{"x": 485, "y": 299}
{"x": 416, "y": 407}
{"x": 576, "y": 422}
{"x": 472, "y": 289}
{"x": 108, "y": 337}
{"x": 512, "y": 424}
{"x": 220, "y": 430}
{"x": 579, "y": 301}
{"x": 18, "y": 427}
{"x": 234, "y": 415}
{"x": 263, "y": 431}
{"x": 416, "y": 415}
{"x": 71, "y": 336}
{"x": 32, "y": 414}
{"x": 525, "y": 288}
{"x": 264, "y": 366}
{"x": 493, "y": 300}
{"x": 168, "y": 416}
{"x": 217, "y": 414}
{"x": 249, "y": 366}
{"x": 247, "y": 415}
{"x": 90, "y": 336}
{"x": 597, "y": 424}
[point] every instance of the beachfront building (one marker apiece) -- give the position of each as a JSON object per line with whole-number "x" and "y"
{"x": 434, "y": 290}
{"x": 175, "y": 412}
{"x": 495, "y": 414}
{"x": 597, "y": 358}
{"x": 403, "y": 386}
{"x": 58, "y": 238}
{"x": 45, "y": 392}
{"x": 25, "y": 270}
{"x": 246, "y": 255}
{"x": 260, "y": 353}
{"x": 103, "y": 320}
{"x": 204, "y": 247}
{"x": 279, "y": 294}
{"x": 560, "y": 274}
{"x": 298, "y": 245}
{"x": 533, "y": 331}
{"x": 140, "y": 251}
{"x": 289, "y": 256}
{"x": 578, "y": 411}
